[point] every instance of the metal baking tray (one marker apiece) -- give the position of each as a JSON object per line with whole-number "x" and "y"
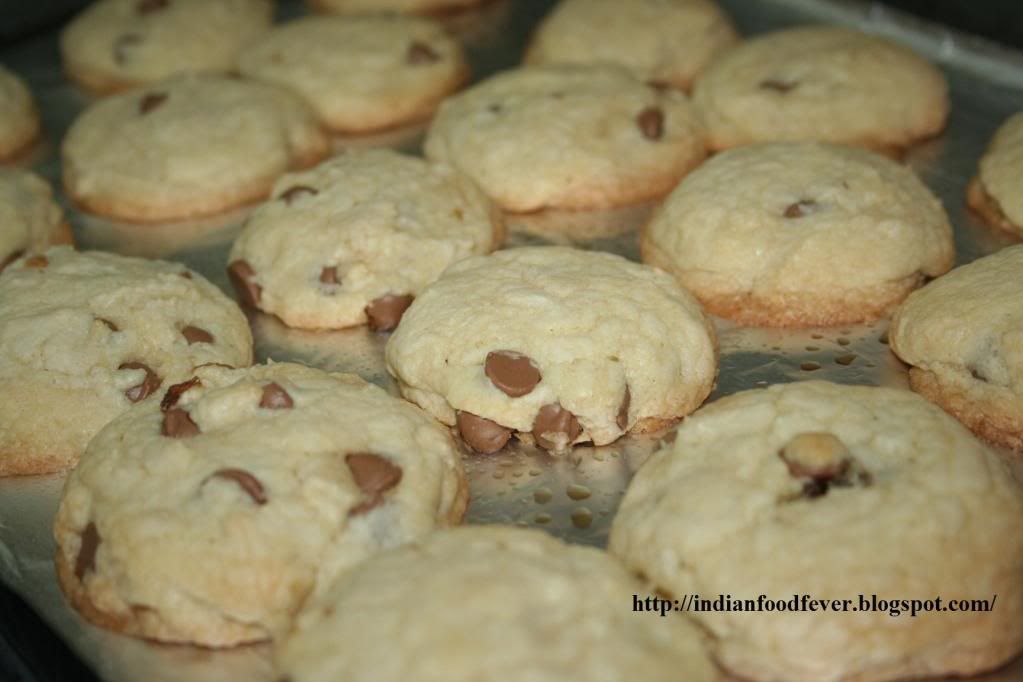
{"x": 574, "y": 496}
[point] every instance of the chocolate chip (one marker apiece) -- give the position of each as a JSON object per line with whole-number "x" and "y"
{"x": 554, "y": 427}
{"x": 123, "y": 44}
{"x": 977, "y": 374}
{"x": 11, "y": 258}
{"x": 151, "y": 101}
{"x": 186, "y": 274}
{"x": 374, "y": 475}
{"x": 275, "y": 398}
{"x": 817, "y": 487}
{"x": 242, "y": 275}
{"x": 513, "y": 373}
{"x": 777, "y": 85}
{"x": 419, "y": 53}
{"x": 110, "y": 325}
{"x": 659, "y": 86}
{"x": 148, "y": 6}
{"x": 246, "y": 481}
{"x": 495, "y": 107}
{"x": 481, "y": 434}
{"x": 328, "y": 275}
{"x": 651, "y": 123}
{"x": 178, "y": 424}
{"x": 800, "y": 208}
{"x": 293, "y": 194}
{"x": 174, "y": 393}
{"x": 150, "y": 383}
{"x": 385, "y": 313}
{"x": 623, "y": 411}
{"x": 86, "y": 560}
{"x": 214, "y": 364}
{"x": 37, "y": 262}
{"x": 196, "y": 335}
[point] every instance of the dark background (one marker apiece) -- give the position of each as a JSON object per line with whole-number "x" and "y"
{"x": 29, "y": 652}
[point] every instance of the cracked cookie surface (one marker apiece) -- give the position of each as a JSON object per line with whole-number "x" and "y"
{"x": 558, "y": 345}
{"x": 963, "y": 337}
{"x": 800, "y": 234}
{"x": 83, "y": 336}
{"x": 531, "y": 607}
{"x": 832, "y": 491}
{"x": 209, "y": 515}
{"x": 822, "y": 83}
{"x": 347, "y": 242}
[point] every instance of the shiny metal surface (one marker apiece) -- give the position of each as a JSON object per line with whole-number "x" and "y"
{"x": 575, "y": 496}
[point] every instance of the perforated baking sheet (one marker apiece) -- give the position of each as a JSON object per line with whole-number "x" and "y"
{"x": 574, "y": 496}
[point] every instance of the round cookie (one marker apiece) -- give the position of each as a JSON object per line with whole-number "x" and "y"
{"x": 362, "y": 73}
{"x": 822, "y": 83}
{"x": 832, "y": 492}
{"x": 573, "y": 137}
{"x": 529, "y": 607}
{"x": 169, "y": 152}
{"x": 800, "y": 234}
{"x": 352, "y": 240}
{"x": 557, "y": 345}
{"x": 118, "y": 44}
{"x": 996, "y": 192}
{"x": 962, "y": 335}
{"x": 666, "y": 42}
{"x": 209, "y": 516}
{"x": 437, "y": 7}
{"x": 30, "y": 220}
{"x": 19, "y": 119}
{"x": 83, "y": 336}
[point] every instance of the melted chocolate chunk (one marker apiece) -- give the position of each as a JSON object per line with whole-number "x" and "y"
{"x": 293, "y": 194}
{"x": 246, "y": 481}
{"x": 482, "y": 434}
{"x": 242, "y": 278}
{"x": 174, "y": 393}
{"x": 177, "y": 423}
{"x": 651, "y": 123}
{"x": 385, "y": 313}
{"x": 513, "y": 373}
{"x": 554, "y": 427}
{"x": 196, "y": 335}
{"x": 151, "y": 101}
{"x": 275, "y": 398}
{"x": 420, "y": 53}
{"x": 150, "y": 383}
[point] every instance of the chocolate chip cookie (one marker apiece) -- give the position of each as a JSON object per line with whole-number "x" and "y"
{"x": 84, "y": 336}
{"x": 573, "y": 137}
{"x": 118, "y": 44}
{"x": 361, "y": 73}
{"x": 832, "y": 492}
{"x": 665, "y": 42}
{"x": 353, "y": 240}
{"x": 996, "y": 192}
{"x": 237, "y": 493}
{"x": 169, "y": 151}
{"x": 19, "y": 118}
{"x": 30, "y": 220}
{"x": 823, "y": 83}
{"x": 528, "y": 606}
{"x": 962, "y": 336}
{"x": 554, "y": 345}
{"x": 800, "y": 234}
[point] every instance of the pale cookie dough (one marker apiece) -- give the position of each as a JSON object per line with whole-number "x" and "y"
{"x": 573, "y": 137}
{"x": 362, "y": 73}
{"x": 30, "y": 220}
{"x": 560, "y": 345}
{"x": 83, "y": 336}
{"x": 340, "y": 240}
{"x": 996, "y": 192}
{"x": 407, "y": 6}
{"x": 188, "y": 146}
{"x": 211, "y": 516}
{"x": 118, "y": 44}
{"x": 667, "y": 42}
{"x": 833, "y": 492}
{"x": 19, "y": 118}
{"x": 489, "y": 604}
{"x": 800, "y": 234}
{"x": 822, "y": 83}
{"x": 963, "y": 337}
